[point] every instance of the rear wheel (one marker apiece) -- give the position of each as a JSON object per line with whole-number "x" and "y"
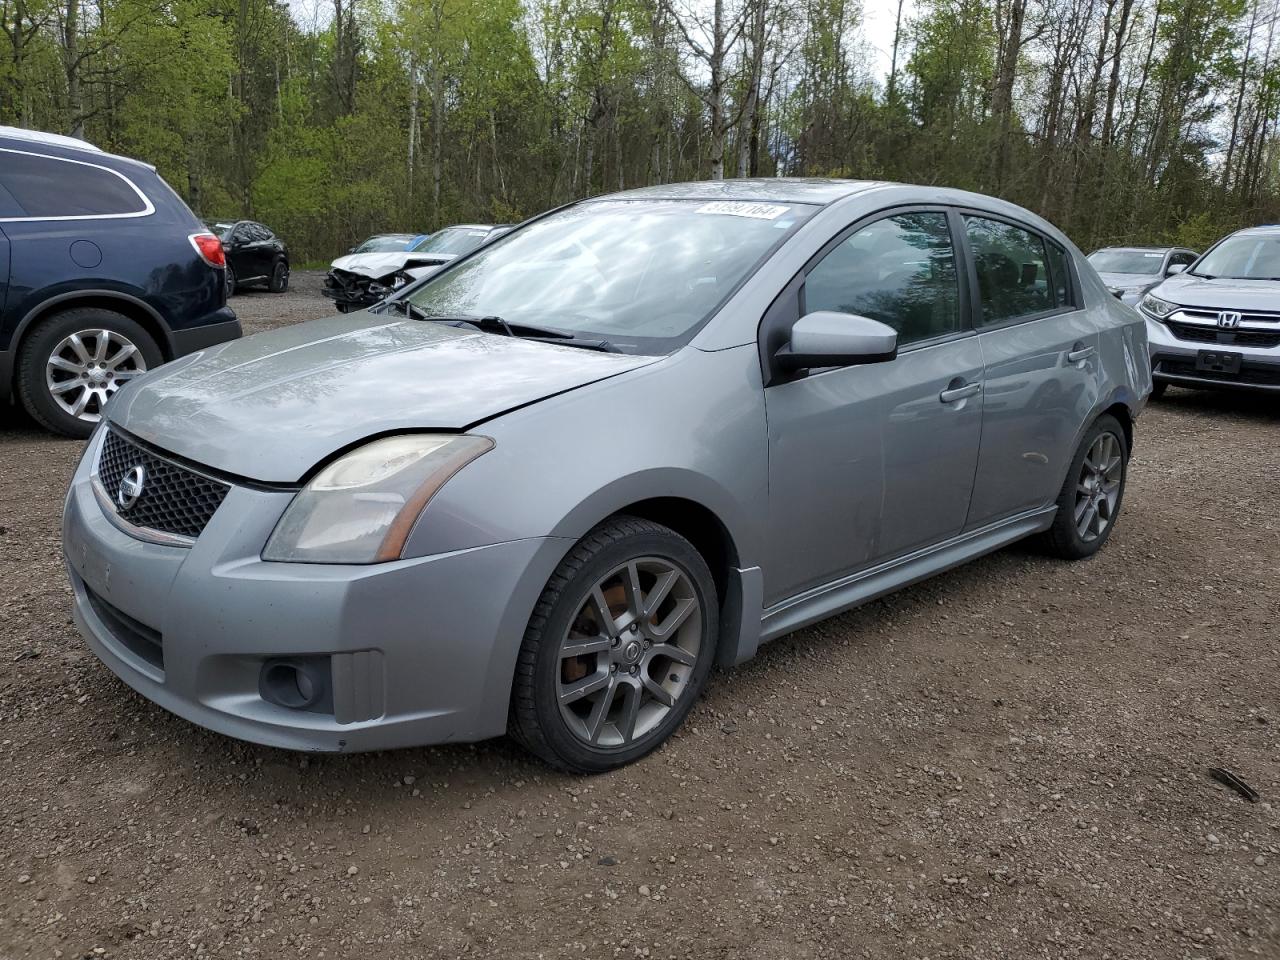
{"x": 73, "y": 362}
{"x": 1089, "y": 503}
{"x": 1158, "y": 388}
{"x": 230, "y": 280}
{"x": 618, "y": 648}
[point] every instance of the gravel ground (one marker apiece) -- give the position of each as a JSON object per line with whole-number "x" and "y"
{"x": 1008, "y": 761}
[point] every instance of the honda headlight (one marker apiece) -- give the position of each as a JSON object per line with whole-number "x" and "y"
{"x": 361, "y": 507}
{"x": 1156, "y": 307}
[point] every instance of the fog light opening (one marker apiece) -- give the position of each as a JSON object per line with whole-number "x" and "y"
{"x": 288, "y": 683}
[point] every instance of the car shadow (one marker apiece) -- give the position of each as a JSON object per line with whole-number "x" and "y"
{"x": 1262, "y": 407}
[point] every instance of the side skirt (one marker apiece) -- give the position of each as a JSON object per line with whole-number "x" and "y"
{"x": 856, "y": 589}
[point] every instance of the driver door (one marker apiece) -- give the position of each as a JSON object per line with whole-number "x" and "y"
{"x": 868, "y": 463}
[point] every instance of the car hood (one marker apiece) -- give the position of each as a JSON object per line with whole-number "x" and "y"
{"x": 1129, "y": 281}
{"x": 1221, "y": 294}
{"x": 271, "y": 406}
{"x": 378, "y": 265}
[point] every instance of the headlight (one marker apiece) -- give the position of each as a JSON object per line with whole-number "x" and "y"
{"x": 1156, "y": 307}
{"x": 361, "y": 507}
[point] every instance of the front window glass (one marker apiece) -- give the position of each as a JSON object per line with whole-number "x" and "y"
{"x": 642, "y": 274}
{"x": 1145, "y": 262}
{"x": 1010, "y": 263}
{"x": 451, "y": 240}
{"x": 900, "y": 271}
{"x": 1243, "y": 257}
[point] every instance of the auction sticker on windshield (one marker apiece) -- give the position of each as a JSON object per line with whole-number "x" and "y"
{"x": 738, "y": 208}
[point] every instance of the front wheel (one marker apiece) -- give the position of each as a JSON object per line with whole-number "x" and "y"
{"x": 1158, "y": 388}
{"x": 279, "y": 281}
{"x": 1089, "y": 503}
{"x": 618, "y": 649}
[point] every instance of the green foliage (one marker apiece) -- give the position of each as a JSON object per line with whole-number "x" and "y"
{"x": 412, "y": 114}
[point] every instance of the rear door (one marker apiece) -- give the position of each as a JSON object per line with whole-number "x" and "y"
{"x": 1040, "y": 351}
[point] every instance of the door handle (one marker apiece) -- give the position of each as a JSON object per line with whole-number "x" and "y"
{"x": 960, "y": 393}
{"x": 1080, "y": 353}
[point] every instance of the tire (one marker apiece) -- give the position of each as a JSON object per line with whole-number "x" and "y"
{"x": 629, "y": 669}
{"x": 50, "y": 366}
{"x": 1077, "y": 531}
{"x": 1158, "y": 388}
{"x": 279, "y": 281}
{"x": 230, "y": 280}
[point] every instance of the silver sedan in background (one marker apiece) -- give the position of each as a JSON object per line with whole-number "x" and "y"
{"x": 1132, "y": 271}
{"x": 544, "y": 491}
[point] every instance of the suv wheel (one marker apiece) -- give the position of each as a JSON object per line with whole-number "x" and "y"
{"x": 1089, "y": 503}
{"x": 617, "y": 650}
{"x": 279, "y": 281}
{"x": 230, "y": 280}
{"x": 71, "y": 364}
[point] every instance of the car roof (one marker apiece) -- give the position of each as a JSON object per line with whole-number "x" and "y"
{"x": 59, "y": 145}
{"x": 1136, "y": 246}
{"x": 1264, "y": 229}
{"x": 775, "y": 189}
{"x": 49, "y": 139}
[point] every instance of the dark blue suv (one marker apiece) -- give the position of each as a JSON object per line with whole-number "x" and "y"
{"x": 104, "y": 273}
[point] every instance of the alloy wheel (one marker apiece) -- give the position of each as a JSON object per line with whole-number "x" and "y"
{"x": 87, "y": 367}
{"x": 1098, "y": 487}
{"x": 629, "y": 652}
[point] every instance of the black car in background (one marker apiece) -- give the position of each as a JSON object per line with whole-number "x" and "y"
{"x": 255, "y": 255}
{"x": 104, "y": 273}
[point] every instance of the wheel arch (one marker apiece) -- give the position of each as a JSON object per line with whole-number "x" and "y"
{"x": 132, "y": 307}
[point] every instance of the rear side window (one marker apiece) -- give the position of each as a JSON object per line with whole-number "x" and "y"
{"x": 1059, "y": 275}
{"x": 1012, "y": 268}
{"x": 50, "y": 187}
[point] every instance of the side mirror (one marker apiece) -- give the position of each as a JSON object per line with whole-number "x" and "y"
{"x": 351, "y": 250}
{"x": 1116, "y": 292}
{"x": 1175, "y": 268}
{"x": 830, "y": 339}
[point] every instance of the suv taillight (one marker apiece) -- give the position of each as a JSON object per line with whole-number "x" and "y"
{"x": 210, "y": 249}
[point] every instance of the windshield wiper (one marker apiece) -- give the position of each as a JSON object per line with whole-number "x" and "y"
{"x": 523, "y": 331}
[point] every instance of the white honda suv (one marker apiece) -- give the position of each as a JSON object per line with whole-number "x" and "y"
{"x": 1217, "y": 324}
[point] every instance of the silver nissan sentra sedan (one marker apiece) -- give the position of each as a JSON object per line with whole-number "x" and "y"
{"x": 546, "y": 490}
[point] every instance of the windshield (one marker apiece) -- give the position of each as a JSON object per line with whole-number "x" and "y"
{"x": 383, "y": 244}
{"x": 220, "y": 227}
{"x": 1246, "y": 256}
{"x": 1127, "y": 261}
{"x": 452, "y": 240}
{"x": 642, "y": 274}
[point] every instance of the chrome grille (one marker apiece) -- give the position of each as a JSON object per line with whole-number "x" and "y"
{"x": 1247, "y": 318}
{"x": 173, "y": 500}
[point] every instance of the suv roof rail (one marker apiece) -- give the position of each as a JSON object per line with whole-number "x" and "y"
{"x": 53, "y": 139}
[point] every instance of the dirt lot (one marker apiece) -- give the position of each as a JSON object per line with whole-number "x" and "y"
{"x": 1008, "y": 761}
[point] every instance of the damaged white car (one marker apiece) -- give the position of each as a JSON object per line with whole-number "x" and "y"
{"x": 360, "y": 280}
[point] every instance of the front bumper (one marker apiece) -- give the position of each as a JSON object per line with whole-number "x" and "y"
{"x": 351, "y": 290}
{"x": 1173, "y": 361}
{"x": 421, "y": 651}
